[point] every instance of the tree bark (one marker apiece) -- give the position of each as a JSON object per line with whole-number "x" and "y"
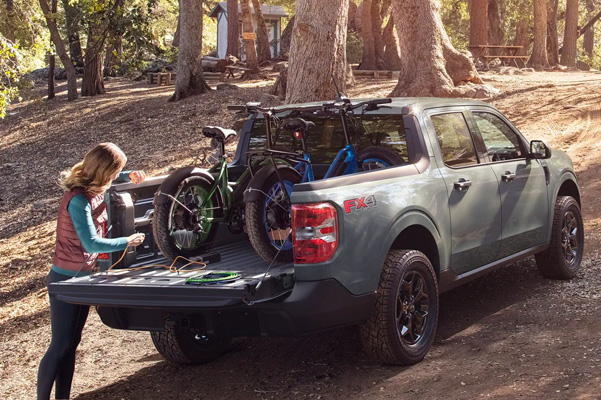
{"x": 568, "y": 53}
{"x": 52, "y": 62}
{"x": 72, "y": 18}
{"x": 376, "y": 25}
{"x": 589, "y": 35}
{"x": 495, "y": 32}
{"x": 10, "y": 18}
{"x": 189, "y": 81}
{"x": 552, "y": 36}
{"x": 538, "y": 59}
{"x": 287, "y": 37}
{"x": 352, "y": 15}
{"x": 318, "y": 50}
{"x": 114, "y": 48}
{"x": 434, "y": 67}
{"x": 249, "y": 44}
{"x": 392, "y": 53}
{"x": 478, "y": 22}
{"x": 177, "y": 33}
{"x": 367, "y": 33}
{"x": 233, "y": 29}
{"x": 92, "y": 82}
{"x": 264, "y": 52}
{"x": 522, "y": 34}
{"x": 60, "y": 50}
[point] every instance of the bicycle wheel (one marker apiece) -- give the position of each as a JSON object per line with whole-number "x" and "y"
{"x": 185, "y": 227}
{"x": 376, "y": 157}
{"x": 268, "y": 219}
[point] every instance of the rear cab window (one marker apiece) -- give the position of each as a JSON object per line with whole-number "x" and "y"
{"x": 327, "y": 138}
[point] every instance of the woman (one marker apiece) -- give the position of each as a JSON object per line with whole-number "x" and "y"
{"x": 82, "y": 217}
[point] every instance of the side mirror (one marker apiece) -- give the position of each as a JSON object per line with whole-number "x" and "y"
{"x": 539, "y": 150}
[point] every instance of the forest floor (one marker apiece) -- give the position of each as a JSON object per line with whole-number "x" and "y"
{"x": 510, "y": 334}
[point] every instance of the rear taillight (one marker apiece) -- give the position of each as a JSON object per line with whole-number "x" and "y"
{"x": 314, "y": 232}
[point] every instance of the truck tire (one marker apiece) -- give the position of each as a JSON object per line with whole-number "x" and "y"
{"x": 269, "y": 217}
{"x": 184, "y": 346}
{"x": 403, "y": 323}
{"x": 563, "y": 257}
{"x": 375, "y": 157}
{"x": 172, "y": 245}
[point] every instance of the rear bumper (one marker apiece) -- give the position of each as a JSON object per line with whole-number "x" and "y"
{"x": 310, "y": 307}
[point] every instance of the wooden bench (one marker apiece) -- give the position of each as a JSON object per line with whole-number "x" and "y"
{"x": 375, "y": 74}
{"x": 162, "y": 78}
{"x": 508, "y": 53}
{"x": 233, "y": 68}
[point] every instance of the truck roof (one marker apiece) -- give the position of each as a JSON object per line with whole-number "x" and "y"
{"x": 407, "y": 104}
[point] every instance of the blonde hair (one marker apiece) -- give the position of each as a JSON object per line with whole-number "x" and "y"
{"x": 96, "y": 171}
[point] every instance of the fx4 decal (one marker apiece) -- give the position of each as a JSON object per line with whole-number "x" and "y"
{"x": 357, "y": 204}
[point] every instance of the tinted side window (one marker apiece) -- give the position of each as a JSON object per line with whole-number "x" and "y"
{"x": 501, "y": 141}
{"x": 455, "y": 139}
{"x": 327, "y": 138}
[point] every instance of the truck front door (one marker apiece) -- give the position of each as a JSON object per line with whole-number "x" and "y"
{"x": 472, "y": 188}
{"x": 522, "y": 184}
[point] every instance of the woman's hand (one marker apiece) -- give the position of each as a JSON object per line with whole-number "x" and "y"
{"x": 135, "y": 240}
{"x": 137, "y": 177}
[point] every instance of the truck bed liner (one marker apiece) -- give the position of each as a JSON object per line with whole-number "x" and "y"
{"x": 158, "y": 287}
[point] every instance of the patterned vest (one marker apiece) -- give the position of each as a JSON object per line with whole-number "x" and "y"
{"x": 69, "y": 253}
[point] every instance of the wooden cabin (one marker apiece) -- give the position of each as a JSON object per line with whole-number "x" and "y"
{"x": 273, "y": 19}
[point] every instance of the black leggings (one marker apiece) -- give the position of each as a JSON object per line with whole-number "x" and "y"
{"x": 58, "y": 365}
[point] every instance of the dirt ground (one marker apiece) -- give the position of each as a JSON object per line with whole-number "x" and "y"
{"x": 511, "y": 334}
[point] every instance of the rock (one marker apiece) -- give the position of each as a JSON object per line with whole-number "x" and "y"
{"x": 268, "y": 100}
{"x": 159, "y": 66}
{"x": 280, "y": 66}
{"x": 226, "y": 86}
{"x": 583, "y": 66}
{"x": 474, "y": 91}
{"x": 279, "y": 88}
{"x": 528, "y": 70}
{"x": 60, "y": 74}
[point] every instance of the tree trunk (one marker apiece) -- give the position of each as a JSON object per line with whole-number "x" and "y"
{"x": 376, "y": 25}
{"x": 249, "y": 44}
{"x": 478, "y": 22}
{"x": 10, "y": 18}
{"x": 72, "y": 18}
{"x": 568, "y": 52}
{"x": 318, "y": 50}
{"x": 233, "y": 29}
{"x": 92, "y": 83}
{"x": 434, "y": 67}
{"x": 60, "y": 50}
{"x": 264, "y": 52}
{"x": 352, "y": 15}
{"x": 495, "y": 31}
{"x": 392, "y": 53}
{"x": 538, "y": 59}
{"x": 552, "y": 37}
{"x": 52, "y": 62}
{"x": 367, "y": 33}
{"x": 114, "y": 48}
{"x": 359, "y": 20}
{"x": 189, "y": 81}
{"x": 177, "y": 33}
{"x": 522, "y": 34}
{"x": 287, "y": 37}
{"x": 589, "y": 35}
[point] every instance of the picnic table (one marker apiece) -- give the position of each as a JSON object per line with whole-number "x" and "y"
{"x": 233, "y": 68}
{"x": 508, "y": 53}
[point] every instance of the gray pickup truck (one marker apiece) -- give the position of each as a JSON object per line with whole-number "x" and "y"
{"x": 472, "y": 195}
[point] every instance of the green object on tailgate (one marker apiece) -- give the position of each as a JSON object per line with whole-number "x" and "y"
{"x": 213, "y": 277}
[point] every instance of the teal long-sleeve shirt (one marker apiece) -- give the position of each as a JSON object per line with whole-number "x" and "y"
{"x": 80, "y": 211}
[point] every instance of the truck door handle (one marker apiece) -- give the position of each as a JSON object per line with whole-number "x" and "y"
{"x": 508, "y": 176}
{"x": 462, "y": 185}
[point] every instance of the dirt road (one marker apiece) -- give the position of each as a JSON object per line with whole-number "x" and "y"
{"x": 510, "y": 334}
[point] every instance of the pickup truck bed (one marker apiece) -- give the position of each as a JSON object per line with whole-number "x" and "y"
{"x": 158, "y": 287}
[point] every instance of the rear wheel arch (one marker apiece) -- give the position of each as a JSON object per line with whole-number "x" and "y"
{"x": 418, "y": 237}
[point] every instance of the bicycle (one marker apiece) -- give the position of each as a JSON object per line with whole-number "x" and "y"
{"x": 267, "y": 197}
